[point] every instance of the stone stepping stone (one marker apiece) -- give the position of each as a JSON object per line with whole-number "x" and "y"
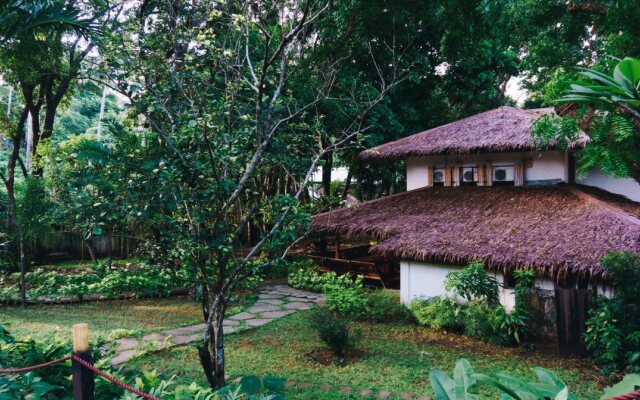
{"x": 326, "y": 387}
{"x": 260, "y": 308}
{"x": 300, "y": 299}
{"x": 346, "y": 390}
{"x": 178, "y": 340}
{"x": 297, "y": 306}
{"x": 276, "y": 314}
{"x": 154, "y": 337}
{"x": 385, "y": 394}
{"x": 424, "y": 398}
{"x": 273, "y": 302}
{"x": 406, "y": 396}
{"x": 230, "y": 322}
{"x": 257, "y": 322}
{"x": 268, "y": 296}
{"x": 185, "y": 330}
{"x": 242, "y": 316}
{"x": 366, "y": 392}
{"x": 126, "y": 344}
{"x": 124, "y": 356}
{"x": 305, "y": 385}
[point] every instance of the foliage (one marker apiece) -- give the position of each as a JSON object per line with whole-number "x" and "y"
{"x": 629, "y": 383}
{"x": 305, "y": 275}
{"x": 473, "y": 283}
{"x": 438, "y": 313}
{"x": 457, "y": 389}
{"x": 137, "y": 279}
{"x": 348, "y": 301}
{"x": 511, "y": 327}
{"x": 613, "y": 330}
{"x": 384, "y": 306}
{"x": 333, "y": 330}
{"x": 603, "y": 102}
{"x": 476, "y": 316}
{"x": 54, "y": 384}
{"x": 465, "y": 381}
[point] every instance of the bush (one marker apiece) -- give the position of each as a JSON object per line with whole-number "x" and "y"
{"x": 473, "y": 283}
{"x": 305, "y": 275}
{"x": 476, "y": 320}
{"x": 350, "y": 301}
{"x": 613, "y": 328}
{"x": 385, "y": 306}
{"x": 438, "y": 313}
{"x": 333, "y": 330}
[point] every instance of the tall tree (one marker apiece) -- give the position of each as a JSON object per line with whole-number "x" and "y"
{"x": 213, "y": 82}
{"x": 42, "y": 47}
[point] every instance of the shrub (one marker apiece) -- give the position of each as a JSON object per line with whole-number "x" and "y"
{"x": 305, "y": 275}
{"x": 385, "y": 306}
{"x": 349, "y": 301}
{"x": 438, "y": 313}
{"x": 613, "y": 328}
{"x": 333, "y": 330}
{"x": 476, "y": 320}
{"x": 473, "y": 283}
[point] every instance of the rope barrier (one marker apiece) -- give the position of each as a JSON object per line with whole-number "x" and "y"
{"x": 34, "y": 367}
{"x": 113, "y": 380}
{"x": 628, "y": 396}
{"x": 87, "y": 365}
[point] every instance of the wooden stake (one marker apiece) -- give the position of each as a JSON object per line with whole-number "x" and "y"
{"x": 83, "y": 378}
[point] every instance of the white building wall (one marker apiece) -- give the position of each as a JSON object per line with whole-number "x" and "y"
{"x": 539, "y": 166}
{"x": 425, "y": 280}
{"x": 625, "y": 186}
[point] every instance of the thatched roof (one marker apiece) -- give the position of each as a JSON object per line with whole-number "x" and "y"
{"x": 560, "y": 231}
{"x": 501, "y": 130}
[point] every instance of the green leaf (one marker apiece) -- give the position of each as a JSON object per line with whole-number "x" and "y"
{"x": 463, "y": 377}
{"x": 442, "y": 385}
{"x": 251, "y": 384}
{"x": 627, "y": 73}
{"x": 630, "y": 383}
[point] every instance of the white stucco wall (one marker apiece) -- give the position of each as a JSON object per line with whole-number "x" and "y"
{"x": 424, "y": 280}
{"x": 539, "y": 166}
{"x": 625, "y": 186}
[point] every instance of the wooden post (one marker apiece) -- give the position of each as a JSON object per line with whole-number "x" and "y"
{"x": 83, "y": 378}
{"x": 337, "y": 246}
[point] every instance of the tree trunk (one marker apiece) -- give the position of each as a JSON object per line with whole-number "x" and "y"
{"x": 326, "y": 174}
{"x": 90, "y": 249}
{"x": 211, "y": 352}
{"x": 23, "y": 273}
{"x": 347, "y": 185}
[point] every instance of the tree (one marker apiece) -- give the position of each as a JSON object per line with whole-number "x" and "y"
{"x": 213, "y": 82}
{"x": 604, "y": 105}
{"x": 42, "y": 47}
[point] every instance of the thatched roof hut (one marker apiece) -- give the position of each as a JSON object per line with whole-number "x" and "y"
{"x": 561, "y": 231}
{"x": 503, "y": 129}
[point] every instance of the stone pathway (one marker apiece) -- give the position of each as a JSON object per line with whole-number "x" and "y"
{"x": 274, "y": 301}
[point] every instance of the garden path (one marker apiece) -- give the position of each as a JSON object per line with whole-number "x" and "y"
{"x": 274, "y": 301}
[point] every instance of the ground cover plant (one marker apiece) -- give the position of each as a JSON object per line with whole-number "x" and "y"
{"x": 395, "y": 357}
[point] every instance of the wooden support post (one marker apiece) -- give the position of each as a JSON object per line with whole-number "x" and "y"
{"x": 83, "y": 378}
{"x": 337, "y": 246}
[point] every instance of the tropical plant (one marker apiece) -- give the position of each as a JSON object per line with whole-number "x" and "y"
{"x": 604, "y": 102}
{"x": 613, "y": 330}
{"x": 473, "y": 283}
{"x": 464, "y": 384}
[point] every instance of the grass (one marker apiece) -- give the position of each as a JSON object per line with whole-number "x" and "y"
{"x": 145, "y": 315}
{"x": 108, "y": 318}
{"x": 397, "y": 358}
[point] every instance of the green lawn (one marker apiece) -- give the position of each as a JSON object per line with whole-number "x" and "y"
{"x": 396, "y": 358}
{"x": 104, "y": 317}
